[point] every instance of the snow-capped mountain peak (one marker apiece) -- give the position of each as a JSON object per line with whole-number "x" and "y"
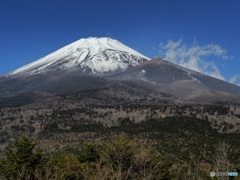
{"x": 93, "y": 55}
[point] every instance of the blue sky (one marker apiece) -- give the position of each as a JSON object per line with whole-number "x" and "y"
{"x": 201, "y": 35}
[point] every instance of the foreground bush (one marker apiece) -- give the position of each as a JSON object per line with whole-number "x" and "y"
{"x": 128, "y": 159}
{"x": 21, "y": 161}
{"x": 118, "y": 159}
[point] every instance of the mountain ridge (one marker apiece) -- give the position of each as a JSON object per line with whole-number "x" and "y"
{"x": 96, "y": 62}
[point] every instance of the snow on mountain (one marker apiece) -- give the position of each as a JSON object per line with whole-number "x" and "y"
{"x": 93, "y": 55}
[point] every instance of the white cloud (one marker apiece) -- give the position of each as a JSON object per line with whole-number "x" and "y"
{"x": 193, "y": 56}
{"x": 234, "y": 79}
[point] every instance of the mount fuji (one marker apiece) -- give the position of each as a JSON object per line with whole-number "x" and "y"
{"x": 99, "y": 56}
{"x": 96, "y": 63}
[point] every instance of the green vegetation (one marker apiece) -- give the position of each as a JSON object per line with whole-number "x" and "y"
{"x": 117, "y": 159}
{"x": 120, "y": 158}
{"x": 86, "y": 142}
{"x": 176, "y": 137}
{"x": 21, "y": 161}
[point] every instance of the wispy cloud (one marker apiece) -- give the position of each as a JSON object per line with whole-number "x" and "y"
{"x": 194, "y": 56}
{"x": 235, "y": 79}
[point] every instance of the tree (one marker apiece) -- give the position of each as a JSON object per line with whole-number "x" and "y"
{"x": 22, "y": 160}
{"x": 89, "y": 153}
{"x": 222, "y": 163}
{"x": 150, "y": 164}
{"x": 222, "y": 160}
{"x": 129, "y": 159}
{"x": 118, "y": 155}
